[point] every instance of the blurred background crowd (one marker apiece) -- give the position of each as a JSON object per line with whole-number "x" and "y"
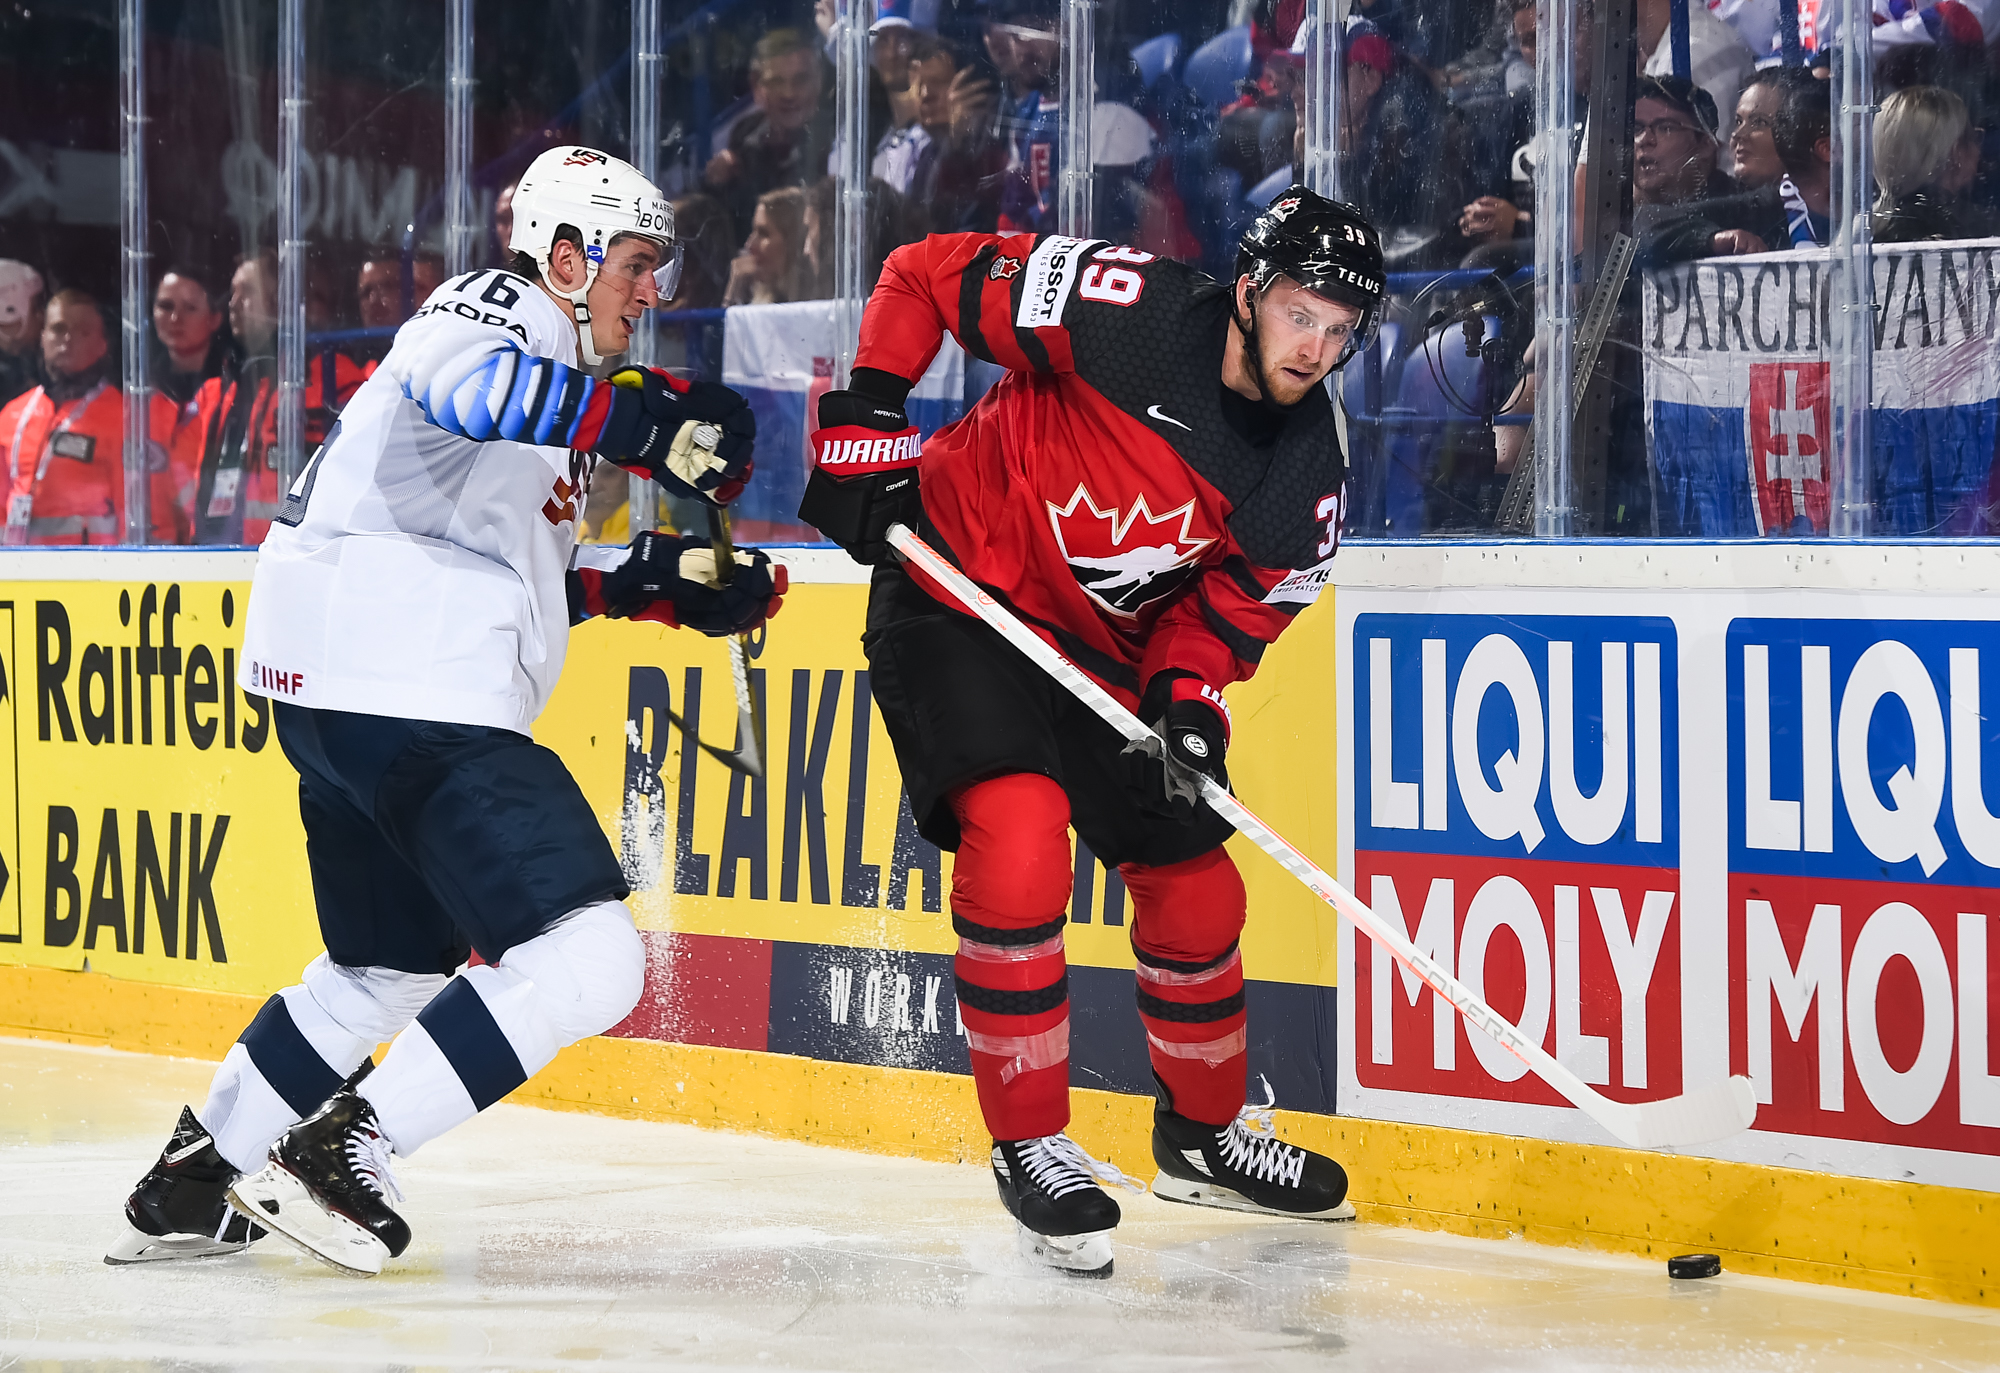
{"x": 1724, "y": 146}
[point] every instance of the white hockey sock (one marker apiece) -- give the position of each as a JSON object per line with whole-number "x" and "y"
{"x": 301, "y": 1047}
{"x": 498, "y": 1025}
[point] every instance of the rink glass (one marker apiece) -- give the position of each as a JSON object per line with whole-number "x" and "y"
{"x": 385, "y": 137}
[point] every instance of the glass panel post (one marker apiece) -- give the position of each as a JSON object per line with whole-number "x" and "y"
{"x": 1852, "y": 269}
{"x": 291, "y": 241}
{"x": 647, "y": 69}
{"x": 1077, "y": 95}
{"x": 1326, "y": 91}
{"x": 135, "y": 279}
{"x": 850, "y": 219}
{"x": 462, "y": 228}
{"x": 1555, "y": 275}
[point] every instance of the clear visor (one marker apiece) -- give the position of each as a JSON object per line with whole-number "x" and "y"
{"x": 667, "y": 276}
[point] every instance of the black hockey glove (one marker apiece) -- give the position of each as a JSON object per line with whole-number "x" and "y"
{"x": 671, "y": 579}
{"x": 692, "y": 437}
{"x": 1191, "y": 722}
{"x": 864, "y": 475}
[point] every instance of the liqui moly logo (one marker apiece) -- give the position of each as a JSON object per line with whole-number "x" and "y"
{"x": 1864, "y": 886}
{"x": 844, "y": 454}
{"x": 1517, "y": 804}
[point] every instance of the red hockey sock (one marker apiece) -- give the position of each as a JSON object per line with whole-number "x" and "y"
{"x": 1186, "y": 921}
{"x": 1010, "y": 883}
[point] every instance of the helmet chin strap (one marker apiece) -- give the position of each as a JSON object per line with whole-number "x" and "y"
{"x": 586, "y": 345}
{"x": 1253, "y": 347}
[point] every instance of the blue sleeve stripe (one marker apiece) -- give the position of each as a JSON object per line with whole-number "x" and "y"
{"x": 559, "y": 379}
{"x": 576, "y": 407}
{"x": 467, "y": 405}
{"x": 508, "y": 394}
{"x": 499, "y": 390}
{"x": 515, "y": 421}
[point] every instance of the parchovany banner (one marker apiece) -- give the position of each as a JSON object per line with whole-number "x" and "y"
{"x": 1740, "y": 399}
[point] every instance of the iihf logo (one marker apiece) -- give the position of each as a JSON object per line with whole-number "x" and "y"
{"x": 1124, "y": 561}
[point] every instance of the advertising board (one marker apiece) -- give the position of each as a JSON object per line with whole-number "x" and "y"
{"x": 1676, "y": 835}
{"x": 152, "y": 830}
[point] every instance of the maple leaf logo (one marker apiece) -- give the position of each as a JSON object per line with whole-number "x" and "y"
{"x": 1003, "y": 269}
{"x": 1125, "y": 560}
{"x": 1283, "y": 209}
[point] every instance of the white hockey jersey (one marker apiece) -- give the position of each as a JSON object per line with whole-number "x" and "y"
{"x": 417, "y": 569}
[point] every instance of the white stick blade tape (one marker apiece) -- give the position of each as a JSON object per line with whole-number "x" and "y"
{"x": 1699, "y": 1117}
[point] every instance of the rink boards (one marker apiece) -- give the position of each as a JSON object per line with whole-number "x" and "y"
{"x": 1749, "y": 832}
{"x": 798, "y": 931}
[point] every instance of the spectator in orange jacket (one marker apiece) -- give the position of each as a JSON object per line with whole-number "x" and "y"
{"x": 64, "y": 441}
{"x": 229, "y": 463}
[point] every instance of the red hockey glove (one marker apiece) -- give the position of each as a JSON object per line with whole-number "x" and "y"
{"x": 671, "y": 579}
{"x": 1192, "y": 722}
{"x": 864, "y": 475}
{"x": 694, "y": 438}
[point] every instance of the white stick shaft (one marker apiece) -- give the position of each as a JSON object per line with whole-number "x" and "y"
{"x": 1613, "y": 1115}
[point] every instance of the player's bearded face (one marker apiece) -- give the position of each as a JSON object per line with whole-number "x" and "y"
{"x": 622, "y": 293}
{"x": 1300, "y": 336}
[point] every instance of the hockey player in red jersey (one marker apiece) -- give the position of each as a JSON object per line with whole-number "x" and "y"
{"x": 1154, "y": 486}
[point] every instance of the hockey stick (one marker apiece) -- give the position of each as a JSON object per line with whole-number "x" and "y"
{"x": 1697, "y": 1117}
{"x": 749, "y": 754}
{"x": 734, "y": 761}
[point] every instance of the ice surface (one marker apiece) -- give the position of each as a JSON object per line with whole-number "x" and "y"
{"x": 550, "y": 1240}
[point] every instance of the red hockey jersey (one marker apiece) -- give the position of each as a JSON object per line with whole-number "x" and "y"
{"x": 1098, "y": 490}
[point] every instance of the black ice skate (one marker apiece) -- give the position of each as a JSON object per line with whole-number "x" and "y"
{"x": 1244, "y": 1166}
{"x": 326, "y": 1188}
{"x": 180, "y": 1209}
{"x": 1050, "y": 1186}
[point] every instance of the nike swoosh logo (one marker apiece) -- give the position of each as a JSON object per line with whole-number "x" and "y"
{"x": 1154, "y": 412}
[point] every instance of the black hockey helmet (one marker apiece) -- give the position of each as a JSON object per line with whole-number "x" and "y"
{"x": 1325, "y": 246}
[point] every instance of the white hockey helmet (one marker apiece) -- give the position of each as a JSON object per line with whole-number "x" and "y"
{"x": 600, "y": 197}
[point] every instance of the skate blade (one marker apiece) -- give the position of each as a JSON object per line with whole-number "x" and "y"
{"x": 135, "y": 1246}
{"x": 1168, "y": 1188}
{"x": 281, "y": 1204}
{"x": 1082, "y": 1256}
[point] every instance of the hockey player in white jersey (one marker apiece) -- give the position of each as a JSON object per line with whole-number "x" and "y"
{"x": 408, "y": 620}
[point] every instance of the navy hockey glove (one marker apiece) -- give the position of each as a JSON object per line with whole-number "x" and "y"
{"x": 1192, "y": 722}
{"x": 671, "y": 579}
{"x": 693, "y": 438}
{"x": 864, "y": 475}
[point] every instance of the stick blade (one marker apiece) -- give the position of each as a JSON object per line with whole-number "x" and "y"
{"x": 1697, "y": 1117}
{"x": 749, "y": 755}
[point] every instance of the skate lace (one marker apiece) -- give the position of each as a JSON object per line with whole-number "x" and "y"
{"x": 1058, "y": 1165}
{"x": 368, "y": 1153}
{"x": 1250, "y": 1143}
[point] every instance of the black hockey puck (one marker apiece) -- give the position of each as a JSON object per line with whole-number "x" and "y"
{"x": 1693, "y": 1266}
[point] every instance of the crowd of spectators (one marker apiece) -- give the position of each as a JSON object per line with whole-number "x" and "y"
{"x": 213, "y": 471}
{"x": 1191, "y": 133}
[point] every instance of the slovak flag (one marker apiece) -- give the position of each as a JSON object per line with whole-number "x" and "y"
{"x": 1787, "y": 425}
